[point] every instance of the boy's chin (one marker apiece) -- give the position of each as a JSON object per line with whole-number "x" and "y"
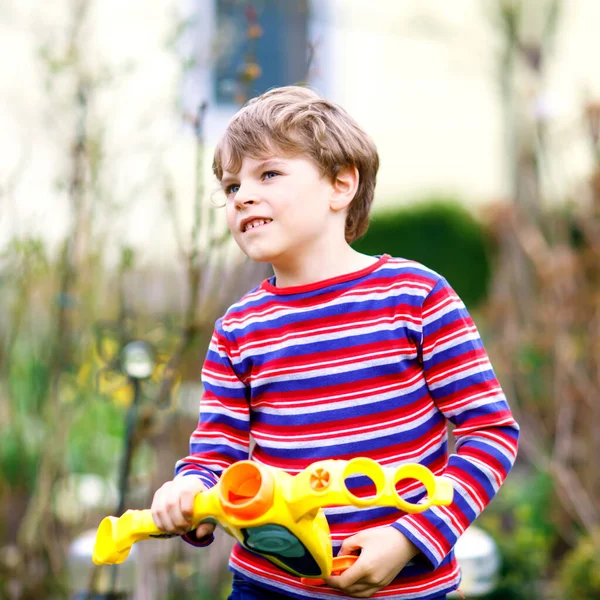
{"x": 260, "y": 256}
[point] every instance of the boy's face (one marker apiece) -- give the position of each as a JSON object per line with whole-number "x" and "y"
{"x": 278, "y": 209}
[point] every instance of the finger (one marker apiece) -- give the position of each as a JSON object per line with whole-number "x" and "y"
{"x": 349, "y": 577}
{"x": 350, "y": 545}
{"x": 186, "y": 504}
{"x": 172, "y": 517}
{"x": 204, "y": 529}
{"x": 180, "y": 523}
{"x": 158, "y": 510}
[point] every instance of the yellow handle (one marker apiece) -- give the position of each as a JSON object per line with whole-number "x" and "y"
{"x": 115, "y": 537}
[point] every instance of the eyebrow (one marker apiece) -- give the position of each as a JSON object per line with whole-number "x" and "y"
{"x": 269, "y": 163}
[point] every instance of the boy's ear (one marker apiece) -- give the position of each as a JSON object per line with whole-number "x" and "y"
{"x": 344, "y": 185}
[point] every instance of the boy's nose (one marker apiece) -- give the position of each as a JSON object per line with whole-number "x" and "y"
{"x": 245, "y": 196}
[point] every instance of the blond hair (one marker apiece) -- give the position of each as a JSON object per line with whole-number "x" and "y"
{"x": 296, "y": 120}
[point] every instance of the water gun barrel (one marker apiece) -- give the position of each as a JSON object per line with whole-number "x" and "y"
{"x": 246, "y": 490}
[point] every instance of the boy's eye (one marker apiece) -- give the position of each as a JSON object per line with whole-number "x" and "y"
{"x": 233, "y": 188}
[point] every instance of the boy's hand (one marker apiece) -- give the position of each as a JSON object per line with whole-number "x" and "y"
{"x": 173, "y": 506}
{"x": 383, "y": 553}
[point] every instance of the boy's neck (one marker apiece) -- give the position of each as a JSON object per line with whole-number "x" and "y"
{"x": 307, "y": 270}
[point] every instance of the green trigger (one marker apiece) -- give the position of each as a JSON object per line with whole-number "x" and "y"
{"x": 274, "y": 539}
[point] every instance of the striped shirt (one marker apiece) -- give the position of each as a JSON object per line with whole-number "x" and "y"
{"x": 373, "y": 363}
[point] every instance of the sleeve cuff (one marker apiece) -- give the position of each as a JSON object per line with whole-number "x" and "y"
{"x": 418, "y": 542}
{"x": 208, "y": 478}
{"x": 430, "y": 534}
{"x": 191, "y": 538}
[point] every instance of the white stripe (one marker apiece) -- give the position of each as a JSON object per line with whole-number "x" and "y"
{"x": 222, "y": 440}
{"x": 288, "y": 443}
{"x": 497, "y": 447}
{"x": 445, "y": 306}
{"x": 215, "y": 347}
{"x": 484, "y": 437}
{"x": 232, "y": 383}
{"x": 418, "y": 455}
{"x": 280, "y": 582}
{"x": 294, "y": 375}
{"x": 355, "y": 360}
{"x": 445, "y": 515}
{"x": 452, "y": 341}
{"x": 385, "y": 428}
{"x": 492, "y": 475}
{"x": 468, "y": 494}
{"x": 320, "y": 334}
{"x": 285, "y": 582}
{"x": 273, "y": 313}
{"x": 422, "y": 453}
{"x": 334, "y": 402}
{"x": 423, "y": 537}
{"x": 471, "y": 405}
{"x": 493, "y": 394}
{"x": 214, "y": 408}
{"x": 499, "y": 443}
{"x": 460, "y": 373}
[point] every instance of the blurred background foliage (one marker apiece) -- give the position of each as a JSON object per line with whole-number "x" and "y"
{"x": 440, "y": 233}
{"x": 528, "y": 265}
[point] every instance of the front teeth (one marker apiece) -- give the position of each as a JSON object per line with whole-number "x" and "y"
{"x": 256, "y": 223}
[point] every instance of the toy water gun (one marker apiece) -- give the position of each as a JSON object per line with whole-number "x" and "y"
{"x": 278, "y": 515}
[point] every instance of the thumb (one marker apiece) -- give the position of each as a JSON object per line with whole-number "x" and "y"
{"x": 350, "y": 545}
{"x": 204, "y": 529}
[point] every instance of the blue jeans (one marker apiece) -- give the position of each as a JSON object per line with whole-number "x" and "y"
{"x": 243, "y": 589}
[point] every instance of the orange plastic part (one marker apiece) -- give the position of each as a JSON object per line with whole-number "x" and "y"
{"x": 246, "y": 490}
{"x": 339, "y": 565}
{"x": 320, "y": 479}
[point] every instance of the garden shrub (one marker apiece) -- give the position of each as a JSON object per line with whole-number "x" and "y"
{"x": 520, "y": 520}
{"x": 579, "y": 574}
{"x": 441, "y": 234}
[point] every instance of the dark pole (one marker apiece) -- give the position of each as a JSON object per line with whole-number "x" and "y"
{"x": 129, "y": 445}
{"x": 126, "y": 465}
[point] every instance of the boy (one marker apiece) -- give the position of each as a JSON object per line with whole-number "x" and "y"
{"x": 338, "y": 355}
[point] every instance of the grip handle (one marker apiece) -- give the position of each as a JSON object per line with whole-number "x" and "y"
{"x": 116, "y": 536}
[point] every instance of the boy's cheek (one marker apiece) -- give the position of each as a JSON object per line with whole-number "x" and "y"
{"x": 231, "y": 224}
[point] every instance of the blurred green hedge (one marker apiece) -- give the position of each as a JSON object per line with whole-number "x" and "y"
{"x": 441, "y": 234}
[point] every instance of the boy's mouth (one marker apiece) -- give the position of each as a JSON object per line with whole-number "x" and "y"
{"x": 253, "y": 223}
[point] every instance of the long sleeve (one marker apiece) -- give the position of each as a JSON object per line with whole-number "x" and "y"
{"x": 463, "y": 386}
{"x": 222, "y": 434}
